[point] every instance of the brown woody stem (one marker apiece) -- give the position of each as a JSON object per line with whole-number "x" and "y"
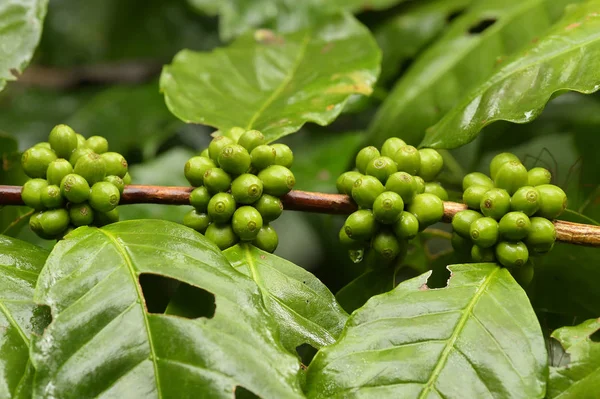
{"x": 573, "y": 233}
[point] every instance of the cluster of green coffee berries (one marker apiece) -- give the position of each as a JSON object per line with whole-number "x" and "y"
{"x": 510, "y": 213}
{"x": 74, "y": 182}
{"x": 238, "y": 190}
{"x": 396, "y": 196}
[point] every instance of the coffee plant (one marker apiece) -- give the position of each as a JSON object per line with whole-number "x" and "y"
{"x": 309, "y": 199}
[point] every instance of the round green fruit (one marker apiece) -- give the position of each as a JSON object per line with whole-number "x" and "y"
{"x": 216, "y": 146}
{"x": 360, "y": 225}
{"x": 106, "y": 218}
{"x": 234, "y": 159}
{"x": 57, "y": 170}
{"x": 43, "y": 144}
{"x": 31, "y": 193}
{"x": 364, "y": 156}
{"x": 538, "y": 176}
{"x": 346, "y": 181}
{"x": 221, "y": 207}
{"x": 115, "y": 164}
{"x": 251, "y": 139}
{"x": 381, "y": 168}
{"x": 266, "y": 239}
{"x": 195, "y": 168}
{"x": 365, "y": 190}
{"x": 514, "y": 226}
{"x": 391, "y": 146}
{"x": 484, "y": 232}
{"x": 98, "y": 144}
{"x": 407, "y": 226}
{"x": 512, "y": 254}
{"x": 50, "y": 197}
{"x": 388, "y": 207}
{"x": 54, "y": 221}
{"x": 461, "y": 222}
{"x": 116, "y": 181}
{"x": 204, "y": 153}
{"x": 36, "y": 160}
{"x": 420, "y": 184}
{"x": 511, "y": 176}
{"x": 348, "y": 242}
{"x": 495, "y": 203}
{"x": 35, "y": 224}
{"x": 437, "y": 190}
{"x": 78, "y": 153}
{"x": 63, "y": 140}
{"x": 197, "y": 221}
{"x": 80, "y": 140}
{"x": 246, "y": 223}
{"x": 431, "y": 163}
{"x": 402, "y": 184}
{"x": 476, "y": 179}
{"x": 246, "y": 189}
{"x": 91, "y": 167}
{"x": 262, "y": 157}
{"x": 81, "y": 214}
{"x": 473, "y": 195}
{"x": 386, "y": 245}
{"x": 217, "y": 180}
{"x": 483, "y": 255}
{"x": 127, "y": 179}
{"x": 104, "y": 197}
{"x": 428, "y": 209}
{"x": 283, "y": 155}
{"x": 526, "y": 200}
{"x": 75, "y": 188}
{"x": 222, "y": 235}
{"x": 269, "y": 207}
{"x": 277, "y": 180}
{"x": 499, "y": 160}
{"x": 553, "y": 201}
{"x": 541, "y": 236}
{"x": 408, "y": 159}
{"x": 199, "y": 198}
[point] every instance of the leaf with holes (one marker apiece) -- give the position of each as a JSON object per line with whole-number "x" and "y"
{"x": 580, "y": 378}
{"x": 519, "y": 91}
{"x": 103, "y": 342}
{"x": 20, "y": 31}
{"x": 274, "y": 83}
{"x": 478, "y": 337}
{"x": 20, "y": 264}
{"x": 465, "y": 56}
{"x": 302, "y": 306}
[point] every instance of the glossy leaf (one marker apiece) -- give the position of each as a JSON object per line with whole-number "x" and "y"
{"x": 274, "y": 83}
{"x": 21, "y": 24}
{"x": 470, "y": 50}
{"x": 476, "y": 338}
{"x": 580, "y": 378}
{"x": 303, "y": 307}
{"x": 103, "y": 342}
{"x": 20, "y": 317}
{"x": 519, "y": 90}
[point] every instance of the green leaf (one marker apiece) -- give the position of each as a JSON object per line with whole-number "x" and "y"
{"x": 458, "y": 61}
{"x": 20, "y": 317}
{"x": 476, "y": 338}
{"x": 519, "y": 91}
{"x": 102, "y": 340}
{"x": 20, "y": 31}
{"x": 580, "y": 378}
{"x": 303, "y": 307}
{"x": 275, "y": 83}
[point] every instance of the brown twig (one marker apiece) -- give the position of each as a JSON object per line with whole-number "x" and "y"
{"x": 573, "y": 233}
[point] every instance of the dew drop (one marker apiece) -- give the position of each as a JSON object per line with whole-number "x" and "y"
{"x": 356, "y": 255}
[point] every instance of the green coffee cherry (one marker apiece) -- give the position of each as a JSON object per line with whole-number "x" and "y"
{"x": 116, "y": 181}
{"x": 197, "y": 221}
{"x": 115, "y": 164}
{"x": 269, "y": 207}
{"x": 541, "y": 236}
{"x": 81, "y": 214}
{"x": 524, "y": 274}
{"x": 402, "y": 184}
{"x": 106, "y": 218}
{"x": 512, "y": 254}
{"x": 437, "y": 190}
{"x": 476, "y": 179}
{"x": 538, "y": 176}
{"x": 204, "y": 153}
{"x": 221, "y": 207}
{"x": 246, "y": 189}
{"x": 483, "y": 255}
{"x": 98, "y": 144}
{"x": 54, "y": 222}
{"x": 246, "y": 223}
{"x": 526, "y": 200}
{"x": 345, "y": 182}
{"x": 495, "y": 203}
{"x": 266, "y": 239}
{"x": 407, "y": 226}
{"x": 80, "y": 140}
{"x": 75, "y": 188}
{"x": 553, "y": 201}
{"x": 216, "y": 146}
{"x": 386, "y": 245}
{"x": 387, "y": 207}
{"x": 484, "y": 232}
{"x": 391, "y": 146}
{"x": 511, "y": 176}
{"x": 514, "y": 226}
{"x": 222, "y": 235}
{"x": 431, "y": 163}
{"x": 251, "y": 139}
{"x": 361, "y": 225}
{"x": 91, "y": 167}
{"x": 461, "y": 222}
{"x": 35, "y": 161}
{"x": 262, "y": 157}
{"x": 57, "y": 170}
{"x": 195, "y": 168}
{"x": 63, "y": 140}
{"x": 461, "y": 245}
{"x": 428, "y": 209}
{"x": 364, "y": 156}
{"x": 381, "y": 168}
{"x": 420, "y": 184}
{"x": 277, "y": 180}
{"x": 234, "y": 159}
{"x": 104, "y": 197}
{"x": 43, "y": 144}
{"x": 408, "y": 159}
{"x": 78, "y": 153}
{"x": 31, "y": 193}
{"x": 499, "y": 160}
{"x": 50, "y": 197}
{"x": 217, "y": 180}
{"x": 35, "y": 224}
{"x": 199, "y": 199}
{"x": 348, "y": 242}
{"x": 365, "y": 190}
{"x": 473, "y": 196}
{"x": 127, "y": 179}
{"x": 283, "y": 155}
